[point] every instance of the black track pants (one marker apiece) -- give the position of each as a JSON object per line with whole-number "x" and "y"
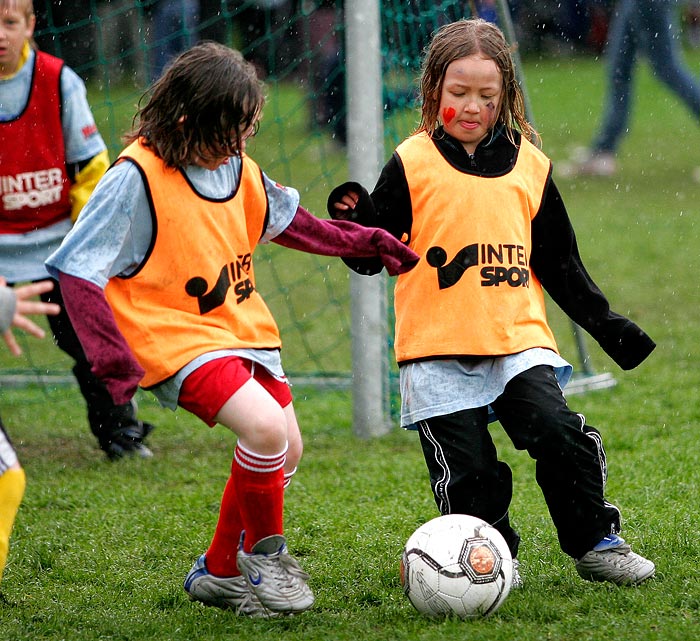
{"x": 467, "y": 477}
{"x": 104, "y": 416}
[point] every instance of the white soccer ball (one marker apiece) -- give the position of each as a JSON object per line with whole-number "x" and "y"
{"x": 456, "y": 565}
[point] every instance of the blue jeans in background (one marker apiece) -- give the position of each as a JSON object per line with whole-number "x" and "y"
{"x": 649, "y": 27}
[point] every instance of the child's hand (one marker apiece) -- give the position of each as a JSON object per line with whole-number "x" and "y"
{"x": 351, "y": 201}
{"x": 345, "y": 209}
{"x": 26, "y": 306}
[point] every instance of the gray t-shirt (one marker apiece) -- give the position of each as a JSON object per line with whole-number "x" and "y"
{"x": 443, "y": 386}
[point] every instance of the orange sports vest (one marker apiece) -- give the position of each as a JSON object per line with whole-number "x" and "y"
{"x": 195, "y": 291}
{"x": 473, "y": 292}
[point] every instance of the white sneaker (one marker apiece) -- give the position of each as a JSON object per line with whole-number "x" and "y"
{"x": 613, "y": 560}
{"x": 588, "y": 163}
{"x": 228, "y": 593}
{"x": 275, "y": 576}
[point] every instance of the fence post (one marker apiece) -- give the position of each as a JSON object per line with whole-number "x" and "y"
{"x": 365, "y": 135}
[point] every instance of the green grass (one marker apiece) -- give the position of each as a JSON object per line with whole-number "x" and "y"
{"x": 100, "y": 550}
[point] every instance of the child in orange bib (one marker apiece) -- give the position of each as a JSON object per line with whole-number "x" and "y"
{"x": 158, "y": 277}
{"x": 475, "y": 199}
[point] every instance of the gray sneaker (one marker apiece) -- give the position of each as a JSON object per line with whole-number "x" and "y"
{"x": 613, "y": 560}
{"x": 274, "y": 576}
{"x": 585, "y": 162}
{"x": 228, "y": 593}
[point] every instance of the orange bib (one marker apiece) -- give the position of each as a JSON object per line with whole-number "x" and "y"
{"x": 473, "y": 292}
{"x": 195, "y": 291}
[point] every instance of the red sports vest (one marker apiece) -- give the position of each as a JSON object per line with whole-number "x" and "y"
{"x": 195, "y": 291}
{"x": 34, "y": 185}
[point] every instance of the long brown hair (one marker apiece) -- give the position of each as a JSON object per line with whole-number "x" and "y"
{"x": 459, "y": 40}
{"x": 205, "y": 100}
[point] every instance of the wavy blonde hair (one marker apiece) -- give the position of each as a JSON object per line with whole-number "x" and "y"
{"x": 462, "y": 39}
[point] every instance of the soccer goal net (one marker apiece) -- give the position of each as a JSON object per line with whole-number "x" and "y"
{"x": 307, "y": 136}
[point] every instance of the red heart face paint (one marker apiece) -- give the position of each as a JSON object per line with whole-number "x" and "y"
{"x": 448, "y": 113}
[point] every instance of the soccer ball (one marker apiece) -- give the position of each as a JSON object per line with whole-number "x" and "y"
{"x": 456, "y": 565}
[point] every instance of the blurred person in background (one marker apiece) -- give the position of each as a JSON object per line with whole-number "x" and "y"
{"x": 173, "y": 28}
{"x": 52, "y": 157}
{"x": 638, "y": 27}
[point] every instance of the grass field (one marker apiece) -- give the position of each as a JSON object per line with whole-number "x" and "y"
{"x": 100, "y": 550}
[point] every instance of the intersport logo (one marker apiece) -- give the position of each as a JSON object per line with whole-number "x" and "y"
{"x": 500, "y": 264}
{"x": 31, "y": 189}
{"x": 232, "y": 275}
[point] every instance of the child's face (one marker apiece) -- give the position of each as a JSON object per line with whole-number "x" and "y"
{"x": 15, "y": 30}
{"x": 472, "y": 90}
{"x": 212, "y": 158}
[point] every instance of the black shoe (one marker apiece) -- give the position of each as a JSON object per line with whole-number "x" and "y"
{"x": 120, "y": 433}
{"x": 127, "y": 441}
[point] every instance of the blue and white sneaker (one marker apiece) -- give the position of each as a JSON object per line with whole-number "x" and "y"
{"x": 275, "y": 576}
{"x": 613, "y": 560}
{"x": 228, "y": 593}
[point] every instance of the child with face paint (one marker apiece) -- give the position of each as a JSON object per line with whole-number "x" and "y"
{"x": 474, "y": 197}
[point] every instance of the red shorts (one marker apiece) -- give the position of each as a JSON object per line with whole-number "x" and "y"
{"x": 205, "y": 390}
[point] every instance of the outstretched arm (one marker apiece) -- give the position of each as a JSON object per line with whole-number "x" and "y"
{"x": 103, "y": 343}
{"x": 15, "y": 304}
{"x": 348, "y": 240}
{"x": 555, "y": 260}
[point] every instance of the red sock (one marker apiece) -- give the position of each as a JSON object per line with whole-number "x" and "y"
{"x": 221, "y": 555}
{"x": 259, "y": 483}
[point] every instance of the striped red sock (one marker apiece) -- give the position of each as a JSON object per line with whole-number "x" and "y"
{"x": 259, "y": 481}
{"x": 221, "y": 555}
{"x": 288, "y": 478}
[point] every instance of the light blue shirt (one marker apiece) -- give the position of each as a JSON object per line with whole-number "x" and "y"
{"x": 438, "y": 387}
